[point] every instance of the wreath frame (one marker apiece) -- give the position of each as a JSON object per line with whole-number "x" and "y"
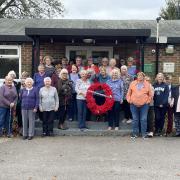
{"x": 91, "y": 102}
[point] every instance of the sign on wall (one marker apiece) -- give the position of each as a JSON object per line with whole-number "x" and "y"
{"x": 148, "y": 68}
{"x": 168, "y": 67}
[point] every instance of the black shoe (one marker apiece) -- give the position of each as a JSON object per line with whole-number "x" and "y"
{"x": 30, "y": 138}
{"x": 24, "y": 137}
{"x": 43, "y": 135}
{"x": 177, "y": 135}
{"x": 51, "y": 134}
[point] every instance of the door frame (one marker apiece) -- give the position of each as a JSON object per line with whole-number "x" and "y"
{"x": 89, "y": 49}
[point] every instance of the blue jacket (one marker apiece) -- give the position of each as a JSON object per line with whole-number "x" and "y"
{"x": 39, "y": 80}
{"x": 29, "y": 100}
{"x": 117, "y": 89}
{"x": 161, "y": 94}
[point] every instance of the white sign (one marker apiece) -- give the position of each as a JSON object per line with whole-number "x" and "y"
{"x": 168, "y": 67}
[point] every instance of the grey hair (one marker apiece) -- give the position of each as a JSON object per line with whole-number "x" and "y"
{"x": 29, "y": 79}
{"x": 47, "y": 79}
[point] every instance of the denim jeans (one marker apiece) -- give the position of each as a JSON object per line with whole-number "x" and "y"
{"x": 82, "y": 108}
{"x": 139, "y": 115}
{"x": 5, "y": 120}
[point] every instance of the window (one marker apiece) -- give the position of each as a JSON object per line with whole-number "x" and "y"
{"x": 10, "y": 59}
{"x": 86, "y": 51}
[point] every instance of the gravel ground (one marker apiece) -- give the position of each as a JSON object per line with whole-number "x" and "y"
{"x": 89, "y": 158}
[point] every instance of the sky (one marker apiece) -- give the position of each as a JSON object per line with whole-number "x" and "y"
{"x": 112, "y": 9}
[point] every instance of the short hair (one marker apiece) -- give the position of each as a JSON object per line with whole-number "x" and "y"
{"x": 130, "y": 59}
{"x": 83, "y": 71}
{"x": 114, "y": 71}
{"x": 41, "y": 65}
{"x": 29, "y": 79}
{"x": 12, "y": 73}
{"x": 8, "y": 77}
{"x": 62, "y": 72}
{"x": 47, "y": 79}
{"x": 112, "y": 60}
{"x": 24, "y": 74}
{"x": 124, "y": 66}
{"x": 168, "y": 77}
{"x": 47, "y": 57}
{"x": 102, "y": 68}
{"x": 141, "y": 73}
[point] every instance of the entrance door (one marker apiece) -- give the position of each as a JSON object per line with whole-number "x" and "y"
{"x": 95, "y": 52}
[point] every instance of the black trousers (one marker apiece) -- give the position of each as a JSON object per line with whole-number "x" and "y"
{"x": 62, "y": 114}
{"x": 160, "y": 113}
{"x": 150, "y": 119}
{"x": 114, "y": 115}
{"x": 48, "y": 121}
{"x": 126, "y": 109}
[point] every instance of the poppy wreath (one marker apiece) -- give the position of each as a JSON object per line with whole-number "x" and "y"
{"x": 91, "y": 102}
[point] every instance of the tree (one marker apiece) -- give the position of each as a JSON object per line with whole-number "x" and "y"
{"x": 171, "y": 11}
{"x": 30, "y": 8}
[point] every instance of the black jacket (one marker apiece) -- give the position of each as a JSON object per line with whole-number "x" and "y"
{"x": 161, "y": 94}
{"x": 175, "y": 94}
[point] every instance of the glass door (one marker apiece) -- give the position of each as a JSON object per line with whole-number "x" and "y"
{"x": 96, "y": 52}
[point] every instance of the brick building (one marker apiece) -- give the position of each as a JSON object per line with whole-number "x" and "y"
{"x": 23, "y": 41}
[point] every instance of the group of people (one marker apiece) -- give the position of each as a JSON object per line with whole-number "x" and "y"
{"x": 58, "y": 91}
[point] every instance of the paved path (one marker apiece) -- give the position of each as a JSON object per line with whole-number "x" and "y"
{"x": 90, "y": 158}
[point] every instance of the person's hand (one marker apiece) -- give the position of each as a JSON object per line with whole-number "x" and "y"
{"x": 56, "y": 109}
{"x": 34, "y": 110}
{"x": 40, "y": 109}
{"x": 121, "y": 101}
{"x": 171, "y": 105}
{"x": 12, "y": 105}
{"x": 161, "y": 105}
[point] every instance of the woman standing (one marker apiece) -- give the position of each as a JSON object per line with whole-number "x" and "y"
{"x": 81, "y": 89}
{"x": 64, "y": 90}
{"x": 139, "y": 96}
{"x": 116, "y": 85}
{"x": 49, "y": 68}
{"x": 73, "y": 76}
{"x": 48, "y": 105}
{"x": 161, "y": 94}
{"x": 29, "y": 105}
{"x": 8, "y": 99}
{"x": 175, "y": 103}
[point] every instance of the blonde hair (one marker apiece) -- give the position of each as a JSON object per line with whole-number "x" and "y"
{"x": 62, "y": 72}
{"x": 112, "y": 61}
{"x": 47, "y": 57}
{"x": 124, "y": 66}
{"x": 115, "y": 70}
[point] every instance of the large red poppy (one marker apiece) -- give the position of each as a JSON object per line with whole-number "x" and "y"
{"x": 91, "y": 102}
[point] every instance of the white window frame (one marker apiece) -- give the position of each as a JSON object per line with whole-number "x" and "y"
{"x": 18, "y": 47}
{"x": 89, "y": 50}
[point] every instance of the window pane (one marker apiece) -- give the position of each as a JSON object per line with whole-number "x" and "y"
{"x": 81, "y": 53}
{"x": 8, "y": 51}
{"x": 7, "y": 65}
{"x": 98, "y": 55}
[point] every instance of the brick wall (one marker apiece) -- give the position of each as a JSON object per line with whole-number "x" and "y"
{"x": 26, "y": 57}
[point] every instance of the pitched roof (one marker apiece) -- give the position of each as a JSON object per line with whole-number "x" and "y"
{"x": 16, "y": 27}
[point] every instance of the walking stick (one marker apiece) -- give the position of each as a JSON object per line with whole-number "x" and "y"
{"x": 9, "y": 125}
{"x": 99, "y": 94}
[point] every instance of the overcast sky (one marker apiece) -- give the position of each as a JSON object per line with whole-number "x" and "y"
{"x": 112, "y": 9}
